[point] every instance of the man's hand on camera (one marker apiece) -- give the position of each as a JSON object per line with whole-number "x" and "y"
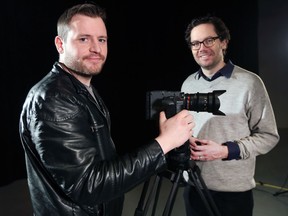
{"x": 175, "y": 131}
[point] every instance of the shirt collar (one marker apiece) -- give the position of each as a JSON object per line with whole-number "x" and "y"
{"x": 225, "y": 71}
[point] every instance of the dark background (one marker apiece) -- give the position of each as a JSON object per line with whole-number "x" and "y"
{"x": 147, "y": 51}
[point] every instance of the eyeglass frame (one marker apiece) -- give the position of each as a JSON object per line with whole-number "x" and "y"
{"x": 204, "y": 41}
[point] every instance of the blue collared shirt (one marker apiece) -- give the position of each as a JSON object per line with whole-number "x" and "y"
{"x": 225, "y": 71}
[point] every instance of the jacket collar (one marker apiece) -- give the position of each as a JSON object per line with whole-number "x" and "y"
{"x": 57, "y": 69}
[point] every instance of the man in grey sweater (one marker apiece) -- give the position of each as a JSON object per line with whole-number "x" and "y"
{"x": 227, "y": 146}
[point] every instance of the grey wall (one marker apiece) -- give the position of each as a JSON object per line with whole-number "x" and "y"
{"x": 273, "y": 54}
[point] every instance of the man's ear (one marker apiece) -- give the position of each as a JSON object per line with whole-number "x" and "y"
{"x": 59, "y": 44}
{"x": 224, "y": 44}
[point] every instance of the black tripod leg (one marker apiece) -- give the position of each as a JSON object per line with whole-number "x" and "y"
{"x": 158, "y": 182}
{"x": 278, "y": 193}
{"x": 140, "y": 208}
{"x": 282, "y": 192}
{"x": 172, "y": 196}
{"x": 194, "y": 173}
{"x": 208, "y": 195}
{"x": 140, "y": 211}
{"x": 200, "y": 192}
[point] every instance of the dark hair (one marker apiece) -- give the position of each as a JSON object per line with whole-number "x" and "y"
{"x": 87, "y": 9}
{"x": 220, "y": 28}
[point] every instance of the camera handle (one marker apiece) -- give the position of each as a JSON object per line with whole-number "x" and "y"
{"x": 178, "y": 180}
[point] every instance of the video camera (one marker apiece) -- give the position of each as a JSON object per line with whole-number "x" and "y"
{"x": 173, "y": 102}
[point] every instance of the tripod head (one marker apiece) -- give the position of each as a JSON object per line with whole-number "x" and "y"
{"x": 179, "y": 158}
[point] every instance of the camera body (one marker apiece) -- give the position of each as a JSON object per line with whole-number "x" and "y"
{"x": 173, "y": 102}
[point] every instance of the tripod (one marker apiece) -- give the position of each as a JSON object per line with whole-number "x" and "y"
{"x": 178, "y": 180}
{"x": 282, "y": 192}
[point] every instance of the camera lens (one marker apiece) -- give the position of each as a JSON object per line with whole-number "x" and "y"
{"x": 203, "y": 102}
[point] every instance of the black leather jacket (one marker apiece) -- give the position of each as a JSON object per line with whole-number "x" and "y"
{"x": 72, "y": 165}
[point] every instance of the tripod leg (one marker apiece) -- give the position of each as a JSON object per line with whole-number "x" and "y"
{"x": 172, "y": 196}
{"x": 282, "y": 192}
{"x": 158, "y": 182}
{"x": 278, "y": 193}
{"x": 199, "y": 183}
{"x": 140, "y": 211}
{"x": 200, "y": 192}
{"x": 140, "y": 207}
{"x": 212, "y": 203}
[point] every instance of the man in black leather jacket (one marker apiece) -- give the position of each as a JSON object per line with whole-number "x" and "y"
{"x": 72, "y": 165}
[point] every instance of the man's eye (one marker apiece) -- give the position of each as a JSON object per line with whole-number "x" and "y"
{"x": 83, "y": 39}
{"x": 102, "y": 40}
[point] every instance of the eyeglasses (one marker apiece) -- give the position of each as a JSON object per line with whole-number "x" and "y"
{"x": 208, "y": 42}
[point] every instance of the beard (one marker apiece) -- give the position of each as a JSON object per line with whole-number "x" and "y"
{"x": 84, "y": 67}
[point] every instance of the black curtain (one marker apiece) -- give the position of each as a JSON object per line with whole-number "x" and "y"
{"x": 147, "y": 52}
